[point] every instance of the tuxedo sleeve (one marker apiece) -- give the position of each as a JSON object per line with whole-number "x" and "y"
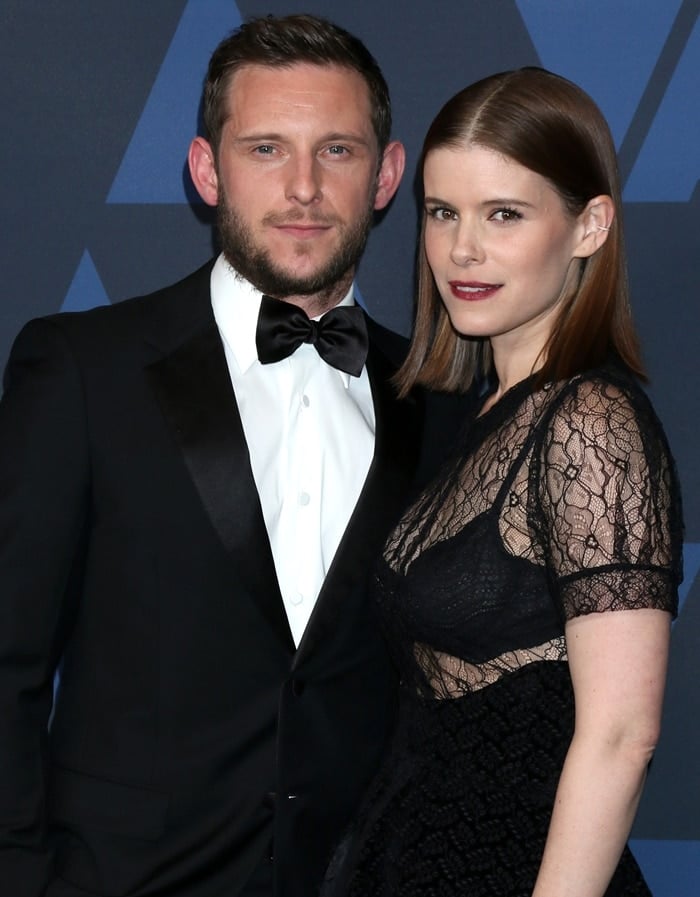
{"x": 43, "y": 507}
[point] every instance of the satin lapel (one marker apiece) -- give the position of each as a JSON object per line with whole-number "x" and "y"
{"x": 193, "y": 388}
{"x": 397, "y": 443}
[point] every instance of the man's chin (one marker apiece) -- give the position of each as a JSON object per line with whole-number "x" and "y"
{"x": 296, "y": 280}
{"x": 295, "y": 284}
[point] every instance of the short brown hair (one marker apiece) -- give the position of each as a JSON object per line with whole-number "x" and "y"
{"x": 551, "y": 126}
{"x": 279, "y": 42}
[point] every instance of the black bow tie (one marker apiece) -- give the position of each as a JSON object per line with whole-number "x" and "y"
{"x": 340, "y": 336}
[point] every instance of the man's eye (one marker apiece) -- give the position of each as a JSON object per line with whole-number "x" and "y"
{"x": 264, "y": 150}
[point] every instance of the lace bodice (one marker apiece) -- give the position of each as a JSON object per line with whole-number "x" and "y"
{"x": 562, "y": 501}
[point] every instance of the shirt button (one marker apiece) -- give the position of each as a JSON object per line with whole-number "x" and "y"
{"x": 297, "y": 599}
{"x": 304, "y": 498}
{"x": 305, "y": 400}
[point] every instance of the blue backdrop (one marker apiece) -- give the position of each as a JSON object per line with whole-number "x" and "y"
{"x": 99, "y": 103}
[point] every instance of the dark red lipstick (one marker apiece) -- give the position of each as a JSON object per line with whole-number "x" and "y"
{"x": 473, "y": 290}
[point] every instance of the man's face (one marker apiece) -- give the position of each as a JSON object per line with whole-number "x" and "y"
{"x": 297, "y": 177}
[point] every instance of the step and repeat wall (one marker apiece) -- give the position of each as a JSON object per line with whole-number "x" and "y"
{"x": 100, "y": 101}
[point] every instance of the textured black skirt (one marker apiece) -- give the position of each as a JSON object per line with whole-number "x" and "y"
{"x": 461, "y": 807}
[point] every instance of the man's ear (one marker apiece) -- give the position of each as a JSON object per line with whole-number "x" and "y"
{"x": 200, "y": 159}
{"x": 390, "y": 173}
{"x": 595, "y": 222}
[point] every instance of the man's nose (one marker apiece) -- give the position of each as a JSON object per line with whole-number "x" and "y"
{"x": 304, "y": 179}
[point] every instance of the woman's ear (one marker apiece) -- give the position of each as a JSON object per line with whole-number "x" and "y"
{"x": 203, "y": 170}
{"x": 595, "y": 223}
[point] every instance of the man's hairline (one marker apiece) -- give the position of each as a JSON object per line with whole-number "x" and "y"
{"x": 331, "y": 64}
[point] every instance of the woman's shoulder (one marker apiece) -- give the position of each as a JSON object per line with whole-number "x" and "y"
{"x": 601, "y": 423}
{"x": 601, "y": 400}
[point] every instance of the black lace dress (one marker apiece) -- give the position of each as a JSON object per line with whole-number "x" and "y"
{"x": 563, "y": 501}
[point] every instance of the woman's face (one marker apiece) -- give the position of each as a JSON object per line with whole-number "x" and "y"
{"x": 501, "y": 246}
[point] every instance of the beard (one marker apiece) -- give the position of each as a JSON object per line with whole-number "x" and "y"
{"x": 254, "y": 263}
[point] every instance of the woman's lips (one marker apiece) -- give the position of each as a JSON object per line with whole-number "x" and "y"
{"x": 473, "y": 290}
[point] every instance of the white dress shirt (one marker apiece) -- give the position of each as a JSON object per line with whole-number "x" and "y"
{"x": 310, "y": 434}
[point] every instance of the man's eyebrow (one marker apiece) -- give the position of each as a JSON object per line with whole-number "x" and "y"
{"x": 274, "y": 137}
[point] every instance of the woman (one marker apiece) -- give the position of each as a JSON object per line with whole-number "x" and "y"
{"x": 527, "y": 596}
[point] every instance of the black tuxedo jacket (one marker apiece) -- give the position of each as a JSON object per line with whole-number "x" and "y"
{"x": 188, "y": 734}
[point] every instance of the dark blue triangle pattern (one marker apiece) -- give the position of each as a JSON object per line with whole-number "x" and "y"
{"x": 614, "y": 63}
{"x": 153, "y": 169}
{"x": 670, "y": 867}
{"x": 668, "y": 167}
{"x": 86, "y": 289}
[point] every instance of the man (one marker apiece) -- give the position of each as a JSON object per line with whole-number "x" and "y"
{"x": 188, "y": 531}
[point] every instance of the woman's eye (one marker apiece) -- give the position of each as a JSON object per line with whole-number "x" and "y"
{"x": 506, "y": 215}
{"x": 441, "y": 214}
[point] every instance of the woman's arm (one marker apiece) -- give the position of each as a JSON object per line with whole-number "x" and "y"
{"x": 618, "y": 667}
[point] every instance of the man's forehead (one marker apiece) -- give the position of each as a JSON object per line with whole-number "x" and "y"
{"x": 297, "y": 77}
{"x": 300, "y": 92}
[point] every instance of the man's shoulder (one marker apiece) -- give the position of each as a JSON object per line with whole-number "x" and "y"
{"x": 173, "y": 299}
{"x": 141, "y": 327}
{"x": 165, "y": 317}
{"x": 446, "y": 417}
{"x": 392, "y": 344}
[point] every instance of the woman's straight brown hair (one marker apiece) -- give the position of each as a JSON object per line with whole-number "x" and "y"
{"x": 552, "y": 127}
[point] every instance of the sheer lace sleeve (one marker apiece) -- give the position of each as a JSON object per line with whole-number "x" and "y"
{"x": 606, "y": 502}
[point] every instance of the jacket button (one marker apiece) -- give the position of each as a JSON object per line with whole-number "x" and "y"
{"x": 298, "y": 687}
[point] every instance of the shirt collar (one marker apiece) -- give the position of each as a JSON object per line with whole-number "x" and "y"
{"x": 236, "y": 305}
